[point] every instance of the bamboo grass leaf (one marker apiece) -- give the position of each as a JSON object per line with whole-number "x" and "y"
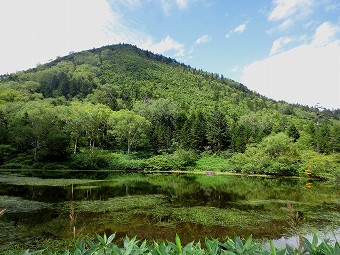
{"x": 178, "y": 244}
{"x": 110, "y": 239}
{"x": 272, "y": 248}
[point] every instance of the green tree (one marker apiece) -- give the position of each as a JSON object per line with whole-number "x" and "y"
{"x": 37, "y": 129}
{"x": 292, "y": 132}
{"x": 240, "y": 135}
{"x": 217, "y": 131}
{"x": 335, "y": 137}
{"x": 162, "y": 114}
{"x": 96, "y": 118}
{"x": 193, "y": 133}
{"x": 129, "y": 128}
{"x": 322, "y": 138}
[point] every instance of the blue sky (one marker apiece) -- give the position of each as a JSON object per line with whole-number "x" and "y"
{"x": 284, "y": 49}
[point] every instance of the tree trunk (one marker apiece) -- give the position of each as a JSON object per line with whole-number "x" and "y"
{"x": 37, "y": 145}
{"x": 75, "y": 145}
{"x": 129, "y": 147}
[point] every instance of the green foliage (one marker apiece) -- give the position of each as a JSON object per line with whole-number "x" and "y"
{"x": 275, "y": 154}
{"x": 320, "y": 165}
{"x": 176, "y": 161}
{"x": 212, "y": 163}
{"x": 232, "y": 246}
{"x": 292, "y": 132}
{"x": 120, "y": 97}
{"x": 89, "y": 160}
{"x": 129, "y": 128}
{"x": 6, "y": 152}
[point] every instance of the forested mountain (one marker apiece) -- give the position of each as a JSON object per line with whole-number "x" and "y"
{"x": 120, "y": 98}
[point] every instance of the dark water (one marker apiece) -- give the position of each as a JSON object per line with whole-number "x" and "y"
{"x": 157, "y": 206}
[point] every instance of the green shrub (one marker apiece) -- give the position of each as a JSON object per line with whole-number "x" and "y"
{"x": 125, "y": 162}
{"x": 184, "y": 158}
{"x": 89, "y": 160}
{"x": 160, "y": 162}
{"x": 284, "y": 169}
{"x": 319, "y": 165}
{"x": 6, "y": 153}
{"x": 176, "y": 161}
{"x": 212, "y": 163}
{"x": 49, "y": 166}
{"x": 13, "y": 165}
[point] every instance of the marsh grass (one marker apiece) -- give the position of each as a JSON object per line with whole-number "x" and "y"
{"x": 35, "y": 181}
{"x": 20, "y": 205}
{"x": 119, "y": 203}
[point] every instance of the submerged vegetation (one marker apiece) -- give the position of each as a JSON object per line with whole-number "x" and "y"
{"x": 49, "y": 213}
{"x": 119, "y": 107}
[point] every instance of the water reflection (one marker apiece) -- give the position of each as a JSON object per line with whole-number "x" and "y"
{"x": 157, "y": 206}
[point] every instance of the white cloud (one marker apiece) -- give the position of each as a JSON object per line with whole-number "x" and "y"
{"x": 239, "y": 29}
{"x": 307, "y": 74}
{"x": 36, "y": 31}
{"x": 168, "y": 4}
{"x": 182, "y": 4}
{"x": 286, "y": 8}
{"x": 325, "y": 34}
{"x": 279, "y": 43}
{"x": 288, "y": 11}
{"x": 203, "y": 39}
{"x": 164, "y": 46}
{"x": 285, "y": 24}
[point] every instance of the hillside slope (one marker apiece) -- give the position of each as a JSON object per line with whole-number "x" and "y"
{"x": 120, "y": 97}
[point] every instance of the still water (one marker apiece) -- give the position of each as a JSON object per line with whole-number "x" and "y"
{"x": 157, "y": 206}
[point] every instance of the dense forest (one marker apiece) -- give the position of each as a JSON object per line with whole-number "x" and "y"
{"x": 120, "y": 107}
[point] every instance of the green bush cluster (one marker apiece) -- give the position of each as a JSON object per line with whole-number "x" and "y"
{"x": 277, "y": 154}
{"x": 176, "y": 161}
{"x": 101, "y": 159}
{"x": 233, "y": 246}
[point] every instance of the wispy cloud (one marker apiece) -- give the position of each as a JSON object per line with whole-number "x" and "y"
{"x": 203, "y": 39}
{"x": 331, "y": 5}
{"x": 279, "y": 43}
{"x": 130, "y": 3}
{"x": 239, "y": 29}
{"x": 288, "y": 11}
{"x": 286, "y": 8}
{"x": 167, "y": 5}
{"x": 325, "y": 34}
{"x": 182, "y": 4}
{"x": 164, "y": 46}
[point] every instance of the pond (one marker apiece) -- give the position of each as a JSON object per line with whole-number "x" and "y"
{"x": 156, "y": 206}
